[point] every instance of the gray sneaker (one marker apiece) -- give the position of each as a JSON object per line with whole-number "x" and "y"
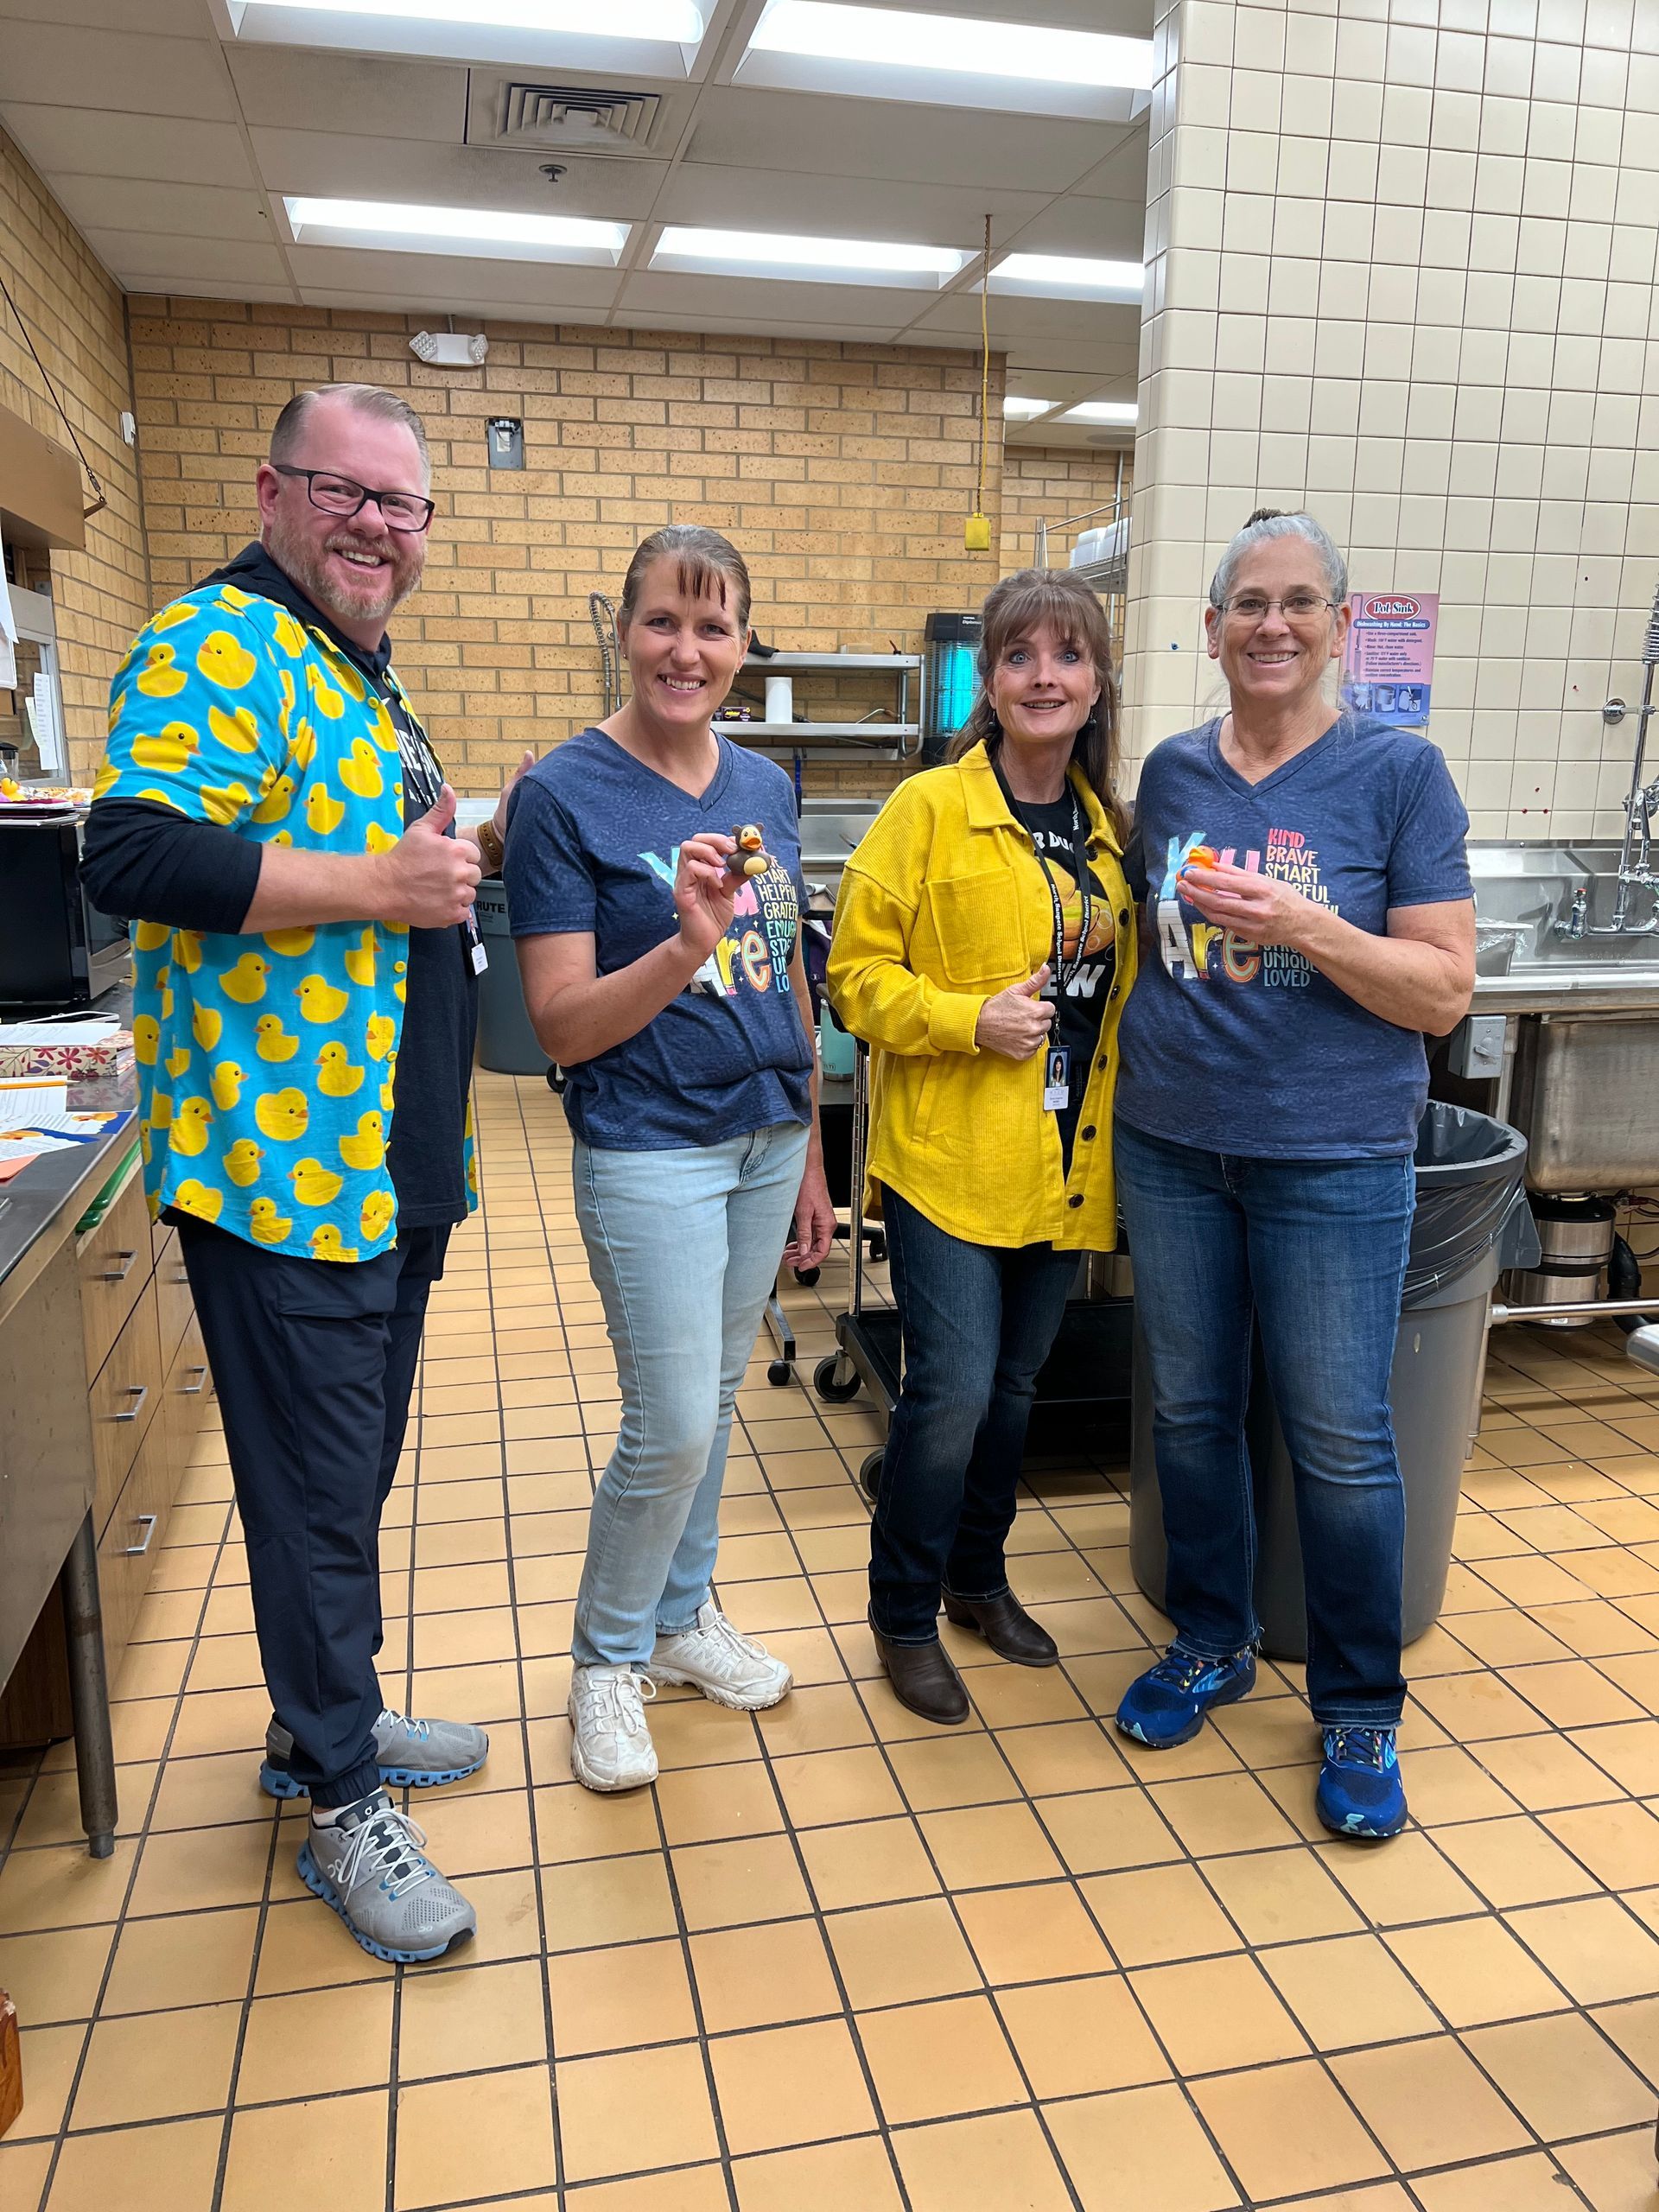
{"x": 412, "y": 1754}
{"x": 369, "y": 1864}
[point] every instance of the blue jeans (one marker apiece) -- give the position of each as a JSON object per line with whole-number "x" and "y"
{"x": 1314, "y": 1251}
{"x": 685, "y": 1247}
{"x": 978, "y": 1322}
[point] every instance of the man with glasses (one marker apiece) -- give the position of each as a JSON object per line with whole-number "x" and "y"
{"x": 271, "y": 815}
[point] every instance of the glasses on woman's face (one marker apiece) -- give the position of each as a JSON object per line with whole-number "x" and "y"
{"x": 342, "y": 495}
{"x": 1298, "y": 607}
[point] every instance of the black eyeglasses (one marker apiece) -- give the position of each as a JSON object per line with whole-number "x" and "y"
{"x": 341, "y": 495}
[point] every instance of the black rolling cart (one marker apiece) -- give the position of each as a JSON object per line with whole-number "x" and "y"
{"x": 1082, "y": 1392}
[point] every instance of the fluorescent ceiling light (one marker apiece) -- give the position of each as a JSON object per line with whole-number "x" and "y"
{"x": 1019, "y": 408}
{"x": 676, "y": 20}
{"x": 775, "y": 253}
{"x": 897, "y": 38}
{"x": 1063, "y": 273}
{"x": 501, "y": 233}
{"x": 1103, "y": 411}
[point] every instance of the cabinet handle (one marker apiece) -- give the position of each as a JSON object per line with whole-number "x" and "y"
{"x": 194, "y": 1389}
{"x": 120, "y": 1274}
{"x": 182, "y": 1277}
{"x": 138, "y": 1392}
{"x": 147, "y": 1523}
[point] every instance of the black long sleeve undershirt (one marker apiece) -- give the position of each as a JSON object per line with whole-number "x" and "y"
{"x": 142, "y": 861}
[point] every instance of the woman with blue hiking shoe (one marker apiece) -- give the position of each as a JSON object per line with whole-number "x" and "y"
{"x": 1307, "y": 902}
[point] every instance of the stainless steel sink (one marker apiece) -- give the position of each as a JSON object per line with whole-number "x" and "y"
{"x": 1586, "y": 1008}
{"x": 1524, "y": 909}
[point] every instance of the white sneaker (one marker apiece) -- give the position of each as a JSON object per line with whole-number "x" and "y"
{"x": 713, "y": 1658}
{"x": 612, "y": 1747}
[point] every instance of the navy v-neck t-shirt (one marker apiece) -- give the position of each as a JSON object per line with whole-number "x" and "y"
{"x": 592, "y": 846}
{"x": 1244, "y": 1048}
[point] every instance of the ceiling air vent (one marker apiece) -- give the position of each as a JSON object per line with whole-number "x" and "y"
{"x": 575, "y": 118}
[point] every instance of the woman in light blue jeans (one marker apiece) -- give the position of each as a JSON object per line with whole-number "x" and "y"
{"x": 653, "y": 880}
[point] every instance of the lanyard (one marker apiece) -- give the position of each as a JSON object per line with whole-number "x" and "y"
{"x": 425, "y": 779}
{"x": 1062, "y": 976}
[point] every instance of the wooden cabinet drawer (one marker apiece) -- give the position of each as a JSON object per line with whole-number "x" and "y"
{"x": 173, "y": 1303}
{"x": 124, "y": 1401}
{"x": 129, "y": 1546}
{"x": 114, "y": 1263}
{"x": 189, "y": 1393}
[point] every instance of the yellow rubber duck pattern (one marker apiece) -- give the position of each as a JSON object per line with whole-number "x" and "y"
{"x": 261, "y": 1057}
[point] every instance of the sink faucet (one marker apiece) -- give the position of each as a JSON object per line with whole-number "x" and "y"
{"x": 1636, "y": 868}
{"x": 1572, "y": 925}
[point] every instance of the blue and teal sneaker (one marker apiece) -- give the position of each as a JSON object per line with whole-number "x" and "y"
{"x": 411, "y": 1754}
{"x": 1360, "y": 1792}
{"x": 1166, "y": 1705}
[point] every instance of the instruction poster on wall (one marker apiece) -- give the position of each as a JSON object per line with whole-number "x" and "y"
{"x": 1389, "y": 668}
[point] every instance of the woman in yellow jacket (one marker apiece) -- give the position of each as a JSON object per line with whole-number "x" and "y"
{"x": 983, "y": 946}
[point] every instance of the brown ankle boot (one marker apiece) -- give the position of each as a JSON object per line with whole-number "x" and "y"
{"x": 923, "y": 1679}
{"x": 1006, "y": 1626}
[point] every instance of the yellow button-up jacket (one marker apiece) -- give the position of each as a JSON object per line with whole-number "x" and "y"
{"x": 943, "y": 905}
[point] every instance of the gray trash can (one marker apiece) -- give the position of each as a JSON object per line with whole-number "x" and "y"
{"x": 1471, "y": 1222}
{"x": 507, "y": 1042}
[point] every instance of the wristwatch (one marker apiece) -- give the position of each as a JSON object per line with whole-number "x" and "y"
{"x": 490, "y": 845}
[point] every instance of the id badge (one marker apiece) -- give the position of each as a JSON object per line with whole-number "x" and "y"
{"x": 1057, "y": 1080}
{"x": 480, "y": 958}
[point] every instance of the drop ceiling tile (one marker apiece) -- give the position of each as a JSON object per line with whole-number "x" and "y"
{"x": 182, "y": 263}
{"x": 286, "y": 88}
{"x": 172, "y": 18}
{"x": 432, "y": 282}
{"x": 755, "y": 304}
{"x": 149, "y": 292}
{"x": 334, "y": 164}
{"x": 744, "y": 198}
{"x": 482, "y": 308}
{"x": 1016, "y": 319}
{"x": 823, "y": 136}
{"x": 1108, "y": 229}
{"x": 628, "y": 317}
{"x": 119, "y": 203}
{"x": 68, "y": 66}
{"x": 63, "y": 141}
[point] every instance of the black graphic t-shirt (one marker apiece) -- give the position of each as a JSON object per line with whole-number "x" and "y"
{"x": 1082, "y": 1003}
{"x": 593, "y": 844}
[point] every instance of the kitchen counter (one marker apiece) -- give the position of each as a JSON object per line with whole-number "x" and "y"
{"x": 1625, "y": 987}
{"x": 104, "y": 1382}
{"x": 40, "y": 1206}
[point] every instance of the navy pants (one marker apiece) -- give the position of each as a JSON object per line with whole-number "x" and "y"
{"x": 314, "y": 1363}
{"x": 978, "y": 1322}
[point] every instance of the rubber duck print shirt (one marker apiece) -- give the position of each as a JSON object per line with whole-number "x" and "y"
{"x": 267, "y": 1063}
{"x": 592, "y": 846}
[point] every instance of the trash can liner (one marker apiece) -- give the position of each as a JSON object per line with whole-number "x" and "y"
{"x": 1471, "y": 1199}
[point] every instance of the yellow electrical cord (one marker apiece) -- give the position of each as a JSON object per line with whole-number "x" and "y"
{"x": 976, "y": 533}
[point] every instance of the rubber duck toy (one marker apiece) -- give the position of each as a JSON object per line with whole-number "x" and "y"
{"x": 1202, "y": 856}
{"x": 751, "y": 857}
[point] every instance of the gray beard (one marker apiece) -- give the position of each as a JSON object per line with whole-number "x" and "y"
{"x": 293, "y": 555}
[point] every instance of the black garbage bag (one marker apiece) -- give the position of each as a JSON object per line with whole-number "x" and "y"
{"x": 1472, "y": 1200}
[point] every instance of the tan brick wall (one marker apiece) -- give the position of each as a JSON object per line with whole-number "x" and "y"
{"x": 1048, "y": 483}
{"x": 842, "y": 472}
{"x": 73, "y": 312}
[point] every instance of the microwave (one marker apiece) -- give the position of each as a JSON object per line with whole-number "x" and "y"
{"x": 57, "y": 951}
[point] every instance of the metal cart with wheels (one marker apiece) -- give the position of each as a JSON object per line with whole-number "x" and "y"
{"x": 1083, "y": 1386}
{"x": 838, "y": 1118}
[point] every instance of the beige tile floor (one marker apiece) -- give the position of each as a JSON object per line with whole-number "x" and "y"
{"x": 837, "y": 1958}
